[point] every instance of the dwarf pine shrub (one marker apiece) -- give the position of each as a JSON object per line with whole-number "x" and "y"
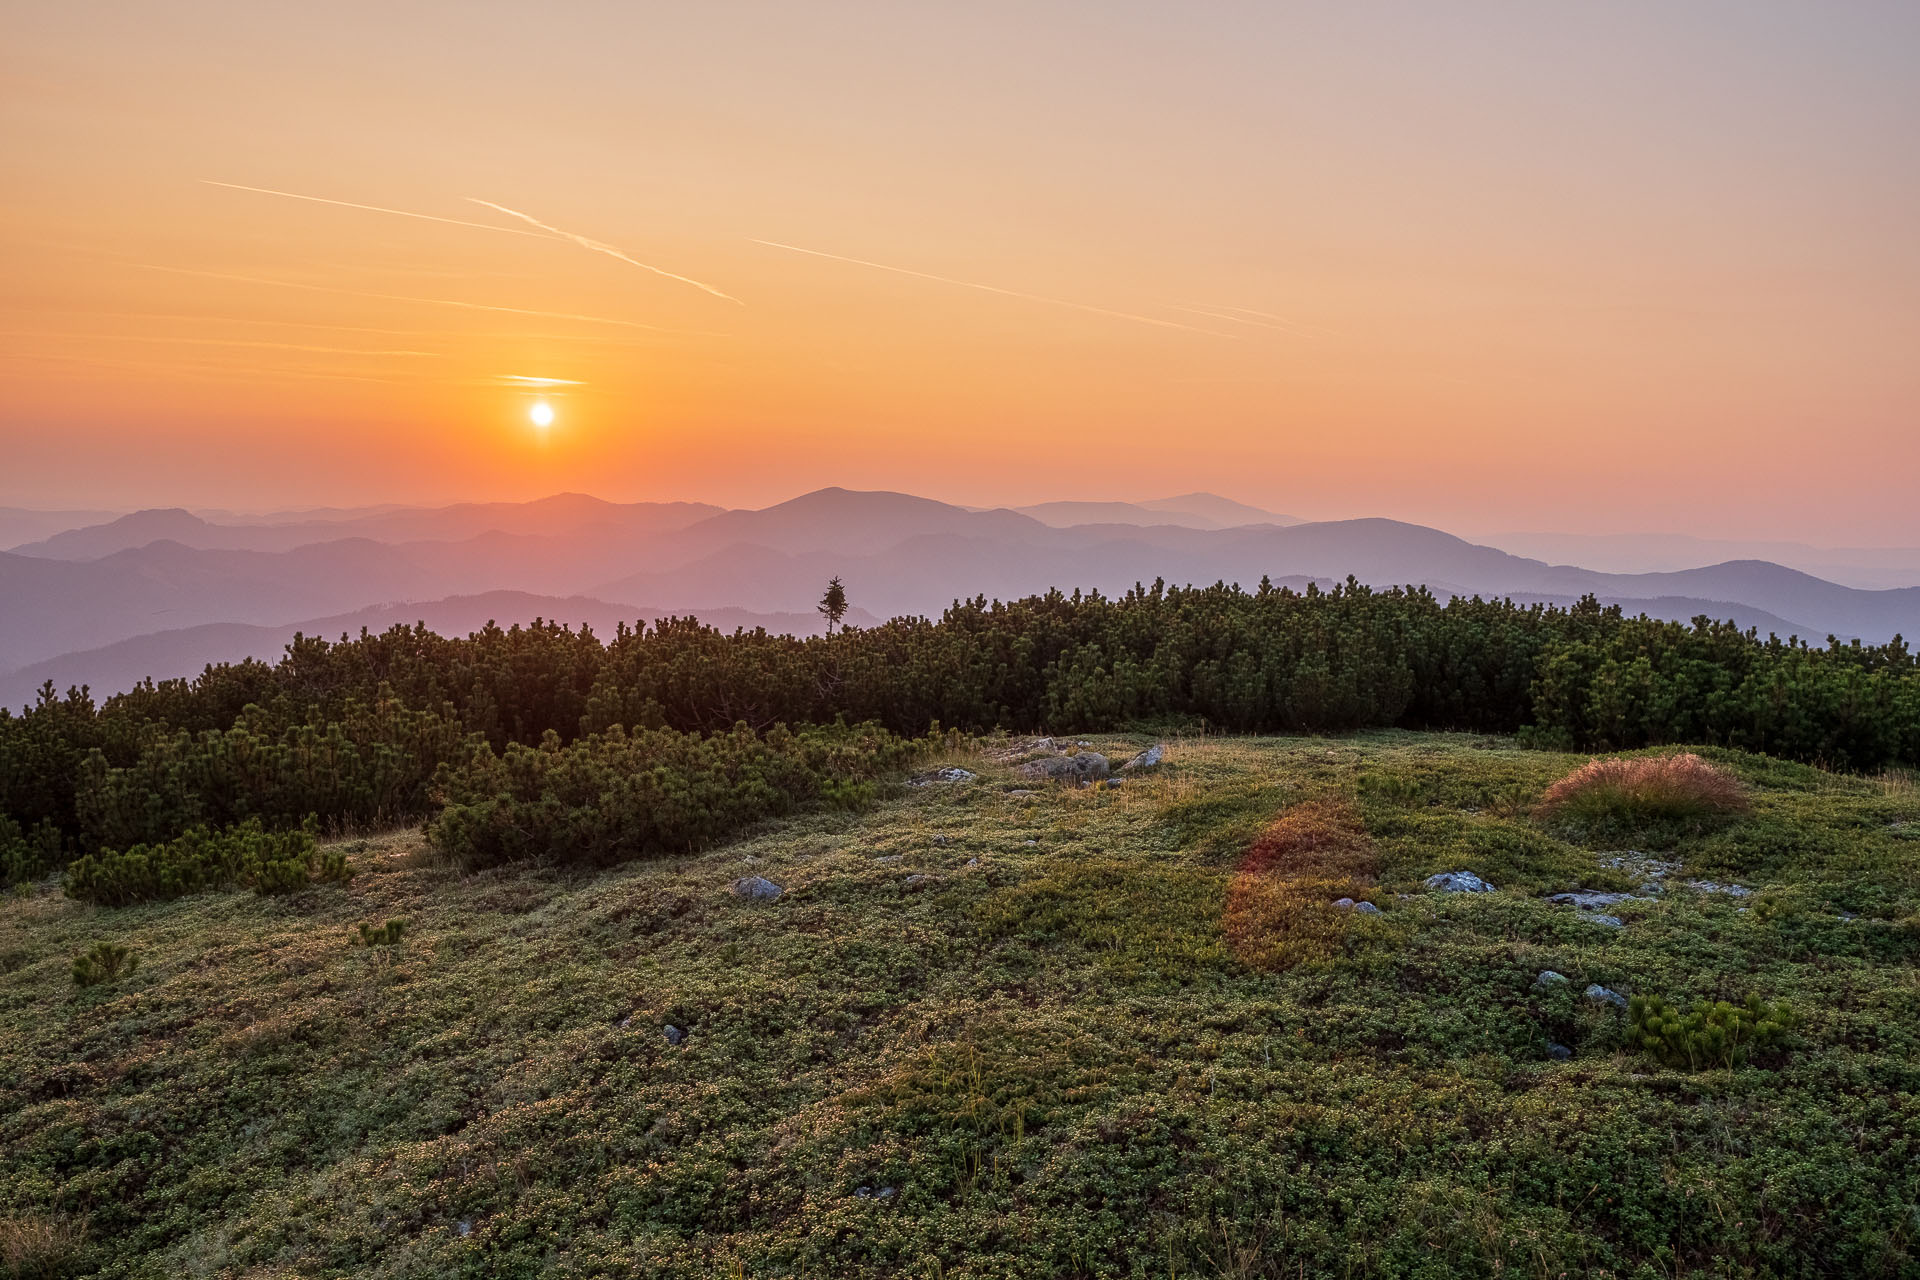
{"x": 202, "y": 860}
{"x": 1716, "y": 1034}
{"x": 382, "y": 935}
{"x": 106, "y": 962}
{"x": 614, "y": 796}
{"x": 27, "y": 852}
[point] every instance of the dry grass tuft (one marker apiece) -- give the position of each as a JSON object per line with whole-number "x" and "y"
{"x": 1659, "y": 789}
{"x": 1280, "y": 908}
{"x": 37, "y": 1244}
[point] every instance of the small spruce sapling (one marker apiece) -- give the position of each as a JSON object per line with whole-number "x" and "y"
{"x": 833, "y": 605}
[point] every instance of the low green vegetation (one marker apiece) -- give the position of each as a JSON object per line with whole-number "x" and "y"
{"x": 998, "y": 1029}
{"x": 246, "y": 855}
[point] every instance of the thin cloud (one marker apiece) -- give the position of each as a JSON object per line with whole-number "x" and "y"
{"x": 1005, "y": 293}
{"x": 522, "y": 380}
{"x": 396, "y": 297}
{"x": 374, "y": 208}
{"x": 599, "y": 246}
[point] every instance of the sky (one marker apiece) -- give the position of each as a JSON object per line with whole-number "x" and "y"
{"x": 1486, "y": 266}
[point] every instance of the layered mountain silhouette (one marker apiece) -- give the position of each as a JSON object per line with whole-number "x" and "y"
{"x": 162, "y": 592}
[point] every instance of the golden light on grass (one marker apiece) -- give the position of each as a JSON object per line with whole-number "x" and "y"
{"x": 1280, "y": 906}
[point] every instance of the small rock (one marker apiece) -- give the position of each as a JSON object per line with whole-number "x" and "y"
{"x": 1345, "y": 903}
{"x": 1031, "y": 843}
{"x": 864, "y": 1193}
{"x": 1112, "y": 784}
{"x": 674, "y": 1034}
{"x": 919, "y": 881}
{"x": 1591, "y": 901}
{"x": 1598, "y": 992}
{"x": 751, "y": 861}
{"x": 1147, "y": 759}
{"x": 1548, "y": 978}
{"x": 1088, "y": 766}
{"x": 758, "y": 888}
{"x": 464, "y": 1227}
{"x": 972, "y": 863}
{"x": 1731, "y": 890}
{"x": 1366, "y": 909}
{"x": 1611, "y": 922}
{"x": 1651, "y": 888}
{"x": 1559, "y": 1052}
{"x": 941, "y": 842}
{"x": 884, "y": 1193}
{"x": 887, "y": 858}
{"x": 625, "y": 1022}
{"x": 1459, "y": 882}
{"x": 937, "y": 777}
{"x": 1020, "y": 793}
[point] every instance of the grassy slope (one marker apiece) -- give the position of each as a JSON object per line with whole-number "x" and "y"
{"x": 1054, "y": 1057}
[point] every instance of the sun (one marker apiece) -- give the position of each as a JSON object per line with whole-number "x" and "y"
{"x": 541, "y": 413}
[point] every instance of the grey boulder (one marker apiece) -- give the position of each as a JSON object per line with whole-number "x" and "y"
{"x": 758, "y": 888}
{"x": 1605, "y": 994}
{"x": 1077, "y": 770}
{"x": 1458, "y": 882}
{"x": 1147, "y": 759}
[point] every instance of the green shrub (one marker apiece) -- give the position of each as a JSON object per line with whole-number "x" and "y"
{"x": 26, "y": 854}
{"x": 107, "y": 962}
{"x": 1716, "y": 1034}
{"x": 382, "y": 935}
{"x": 201, "y": 860}
{"x": 616, "y": 795}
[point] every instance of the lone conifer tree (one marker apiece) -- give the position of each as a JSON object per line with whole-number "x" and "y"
{"x": 833, "y": 605}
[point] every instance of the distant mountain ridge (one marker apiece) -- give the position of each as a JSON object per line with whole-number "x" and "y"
{"x": 85, "y": 590}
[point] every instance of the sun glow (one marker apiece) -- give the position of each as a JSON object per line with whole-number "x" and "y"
{"x": 542, "y": 414}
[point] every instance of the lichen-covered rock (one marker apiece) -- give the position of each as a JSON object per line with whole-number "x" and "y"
{"x": 938, "y": 777}
{"x": 757, "y": 888}
{"x": 1458, "y": 882}
{"x": 1605, "y": 994}
{"x": 1075, "y": 770}
{"x": 1147, "y": 759}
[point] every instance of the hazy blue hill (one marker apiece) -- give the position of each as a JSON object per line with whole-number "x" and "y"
{"x": 20, "y": 525}
{"x": 557, "y": 516}
{"x": 1222, "y": 511}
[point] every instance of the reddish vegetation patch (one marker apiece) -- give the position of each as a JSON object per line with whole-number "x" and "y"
{"x": 1280, "y": 906}
{"x": 1672, "y": 787}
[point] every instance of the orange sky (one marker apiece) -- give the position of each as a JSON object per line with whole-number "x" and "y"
{"x": 1485, "y": 266}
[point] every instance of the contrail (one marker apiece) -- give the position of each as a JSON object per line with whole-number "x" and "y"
{"x": 396, "y": 297}
{"x": 374, "y": 208}
{"x": 1279, "y": 321}
{"x": 1281, "y": 325}
{"x": 1006, "y": 293}
{"x": 545, "y": 231}
{"x": 223, "y": 342}
{"x": 601, "y": 247}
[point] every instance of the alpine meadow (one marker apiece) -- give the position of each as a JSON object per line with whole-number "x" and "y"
{"x": 856, "y": 641}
